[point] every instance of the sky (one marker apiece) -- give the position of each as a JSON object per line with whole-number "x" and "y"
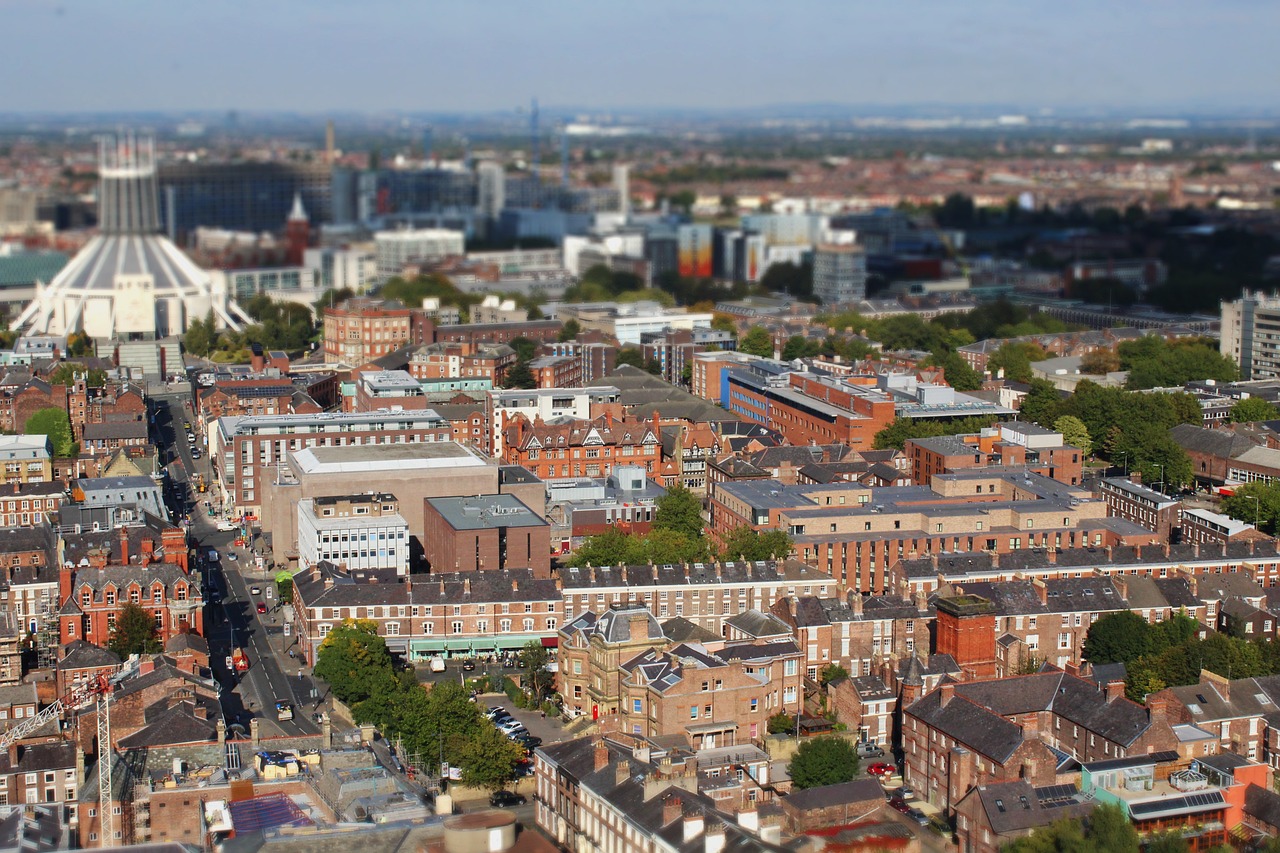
{"x": 313, "y": 56}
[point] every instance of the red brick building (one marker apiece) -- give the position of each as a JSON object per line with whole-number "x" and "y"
{"x": 361, "y": 330}
{"x": 485, "y": 533}
{"x": 581, "y": 447}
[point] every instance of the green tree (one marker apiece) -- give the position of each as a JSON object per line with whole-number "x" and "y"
{"x": 1074, "y": 433}
{"x": 823, "y": 761}
{"x": 1252, "y": 409}
{"x": 1042, "y": 404}
{"x": 284, "y": 590}
{"x": 1255, "y": 503}
{"x": 679, "y": 510}
{"x": 67, "y": 374}
{"x": 1100, "y": 362}
{"x": 832, "y": 672}
{"x": 569, "y": 330}
{"x": 200, "y": 336}
{"x": 56, "y": 424}
{"x": 724, "y": 323}
{"x": 134, "y": 632}
{"x": 1110, "y": 830}
{"x": 519, "y": 375}
{"x": 611, "y": 548}
{"x": 747, "y": 543}
{"x": 632, "y": 356}
{"x": 1167, "y": 842}
{"x": 353, "y": 659}
{"x": 781, "y": 724}
{"x": 958, "y": 373}
{"x": 489, "y": 759}
{"x": 526, "y": 350}
{"x": 758, "y": 341}
{"x": 534, "y": 658}
{"x": 1121, "y": 636}
{"x": 795, "y": 347}
{"x": 79, "y": 345}
{"x": 1015, "y": 359}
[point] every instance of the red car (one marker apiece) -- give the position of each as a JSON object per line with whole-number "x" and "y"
{"x": 262, "y": 608}
{"x": 899, "y": 805}
{"x": 881, "y": 769}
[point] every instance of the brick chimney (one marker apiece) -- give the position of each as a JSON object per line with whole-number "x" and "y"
{"x": 66, "y": 578}
{"x": 622, "y": 772}
{"x": 693, "y": 826}
{"x": 638, "y": 624}
{"x": 1135, "y": 477}
{"x": 672, "y": 809}
{"x": 1115, "y": 690}
{"x": 124, "y": 546}
{"x": 945, "y": 693}
{"x": 1041, "y": 590}
{"x": 601, "y": 756}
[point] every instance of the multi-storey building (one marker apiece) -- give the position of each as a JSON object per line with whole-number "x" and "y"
{"x": 1251, "y": 334}
{"x": 1237, "y": 713}
{"x": 582, "y": 448}
{"x": 541, "y": 404}
{"x": 705, "y": 594}
{"x": 354, "y": 532}
{"x": 485, "y": 533}
{"x": 974, "y": 733}
{"x": 27, "y": 504}
{"x": 361, "y": 330}
{"x": 385, "y": 389}
{"x": 452, "y": 613}
{"x": 245, "y": 397}
{"x": 556, "y": 371}
{"x": 1205, "y": 527}
{"x": 839, "y": 274}
{"x": 592, "y": 651}
{"x": 396, "y": 249}
{"x": 1130, "y": 500}
{"x": 859, "y": 533}
{"x": 246, "y": 451}
{"x": 858, "y": 633}
{"x": 488, "y": 362}
{"x": 806, "y": 410}
{"x": 1018, "y": 444}
{"x": 674, "y": 349}
{"x": 596, "y": 359}
{"x": 250, "y": 196}
{"x": 41, "y": 773}
{"x": 26, "y": 458}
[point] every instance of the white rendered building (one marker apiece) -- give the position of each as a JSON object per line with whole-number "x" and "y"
{"x": 354, "y": 531}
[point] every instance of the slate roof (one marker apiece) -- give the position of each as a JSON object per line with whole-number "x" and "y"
{"x": 740, "y": 572}
{"x": 1249, "y": 697}
{"x": 755, "y": 623}
{"x": 826, "y": 796}
{"x": 172, "y": 726}
{"x": 505, "y": 585}
{"x": 758, "y": 651}
{"x": 125, "y": 430}
{"x": 680, "y": 630}
{"x": 187, "y": 641}
{"x": 47, "y": 756}
{"x": 1016, "y": 806}
{"x": 81, "y": 654}
{"x": 976, "y": 715}
{"x": 1214, "y": 442}
{"x": 870, "y": 688}
{"x": 165, "y": 670}
{"x": 1263, "y": 805}
{"x": 614, "y": 625}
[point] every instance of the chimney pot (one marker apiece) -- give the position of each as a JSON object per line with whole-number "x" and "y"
{"x": 672, "y": 809}
{"x": 601, "y": 756}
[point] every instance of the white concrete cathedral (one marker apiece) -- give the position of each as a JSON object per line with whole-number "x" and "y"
{"x": 130, "y": 282}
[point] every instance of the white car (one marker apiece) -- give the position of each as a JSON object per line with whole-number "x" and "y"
{"x": 255, "y": 590}
{"x": 510, "y": 727}
{"x": 231, "y": 555}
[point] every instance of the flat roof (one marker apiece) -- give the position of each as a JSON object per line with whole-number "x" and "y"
{"x": 483, "y": 512}
{"x": 388, "y": 457}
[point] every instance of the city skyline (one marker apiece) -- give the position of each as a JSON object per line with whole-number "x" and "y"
{"x": 491, "y": 57}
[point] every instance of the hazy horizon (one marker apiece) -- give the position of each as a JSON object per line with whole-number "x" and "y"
{"x": 450, "y": 57}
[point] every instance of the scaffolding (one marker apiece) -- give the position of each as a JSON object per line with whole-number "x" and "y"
{"x": 47, "y": 637}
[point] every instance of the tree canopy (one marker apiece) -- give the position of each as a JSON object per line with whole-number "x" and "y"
{"x": 679, "y": 511}
{"x": 134, "y": 632}
{"x": 1255, "y": 503}
{"x": 1252, "y": 409}
{"x": 68, "y": 373}
{"x": 351, "y": 659}
{"x": 823, "y": 761}
{"x": 1153, "y": 362}
{"x": 1074, "y": 433}
{"x": 757, "y": 341}
{"x": 56, "y": 424}
{"x": 1107, "y": 830}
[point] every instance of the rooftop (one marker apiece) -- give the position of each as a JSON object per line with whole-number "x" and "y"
{"x": 385, "y": 457}
{"x": 483, "y": 512}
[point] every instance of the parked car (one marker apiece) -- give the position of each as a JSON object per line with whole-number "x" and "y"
{"x": 495, "y": 711}
{"x": 469, "y": 665}
{"x": 528, "y": 741}
{"x": 881, "y": 769}
{"x": 918, "y": 816}
{"x": 262, "y": 608}
{"x": 254, "y": 590}
{"x": 870, "y": 750}
{"x": 906, "y": 792}
{"x": 502, "y": 799}
{"x": 899, "y": 805}
{"x": 231, "y": 555}
{"x": 512, "y": 727}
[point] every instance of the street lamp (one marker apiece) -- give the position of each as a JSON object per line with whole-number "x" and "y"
{"x": 1257, "y": 509}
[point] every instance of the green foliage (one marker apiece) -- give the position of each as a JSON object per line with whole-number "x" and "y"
{"x": 1153, "y": 362}
{"x": 823, "y": 761}
{"x": 958, "y": 373}
{"x": 1015, "y": 359}
{"x": 519, "y": 375}
{"x": 570, "y": 330}
{"x": 1122, "y": 636}
{"x": 134, "y": 632}
{"x": 679, "y": 511}
{"x": 1108, "y": 830}
{"x": 781, "y": 724}
{"x": 832, "y": 672}
{"x": 353, "y": 659}
{"x": 412, "y": 291}
{"x": 489, "y": 758}
{"x": 746, "y": 543}
{"x": 1253, "y": 409}
{"x": 757, "y": 341}
{"x": 798, "y": 346}
{"x": 56, "y": 424}
{"x": 79, "y": 345}
{"x": 1167, "y": 842}
{"x": 280, "y": 325}
{"x": 1255, "y": 502}
{"x": 1043, "y": 404}
{"x": 790, "y": 278}
{"x": 68, "y": 373}
{"x": 534, "y": 658}
{"x": 200, "y": 336}
{"x": 284, "y": 590}
{"x": 1074, "y": 433}
{"x": 601, "y": 284}
{"x": 895, "y": 435}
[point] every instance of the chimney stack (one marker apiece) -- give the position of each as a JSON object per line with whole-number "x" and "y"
{"x": 693, "y": 825}
{"x": 1115, "y": 690}
{"x": 672, "y": 809}
{"x": 623, "y": 772}
{"x": 945, "y": 694}
{"x": 124, "y": 546}
{"x": 601, "y": 756}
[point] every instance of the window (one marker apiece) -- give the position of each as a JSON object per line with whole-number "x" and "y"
{"x": 693, "y": 712}
{"x": 457, "y": 627}
{"x": 637, "y": 706}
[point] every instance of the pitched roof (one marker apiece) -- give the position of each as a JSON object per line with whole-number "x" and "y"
{"x": 81, "y": 654}
{"x": 1016, "y": 806}
{"x": 172, "y": 726}
{"x": 1214, "y": 442}
{"x": 1262, "y": 804}
{"x": 825, "y": 796}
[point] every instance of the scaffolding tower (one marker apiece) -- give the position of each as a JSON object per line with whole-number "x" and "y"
{"x": 47, "y": 638}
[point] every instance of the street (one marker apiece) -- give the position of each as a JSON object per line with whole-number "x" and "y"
{"x": 234, "y": 621}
